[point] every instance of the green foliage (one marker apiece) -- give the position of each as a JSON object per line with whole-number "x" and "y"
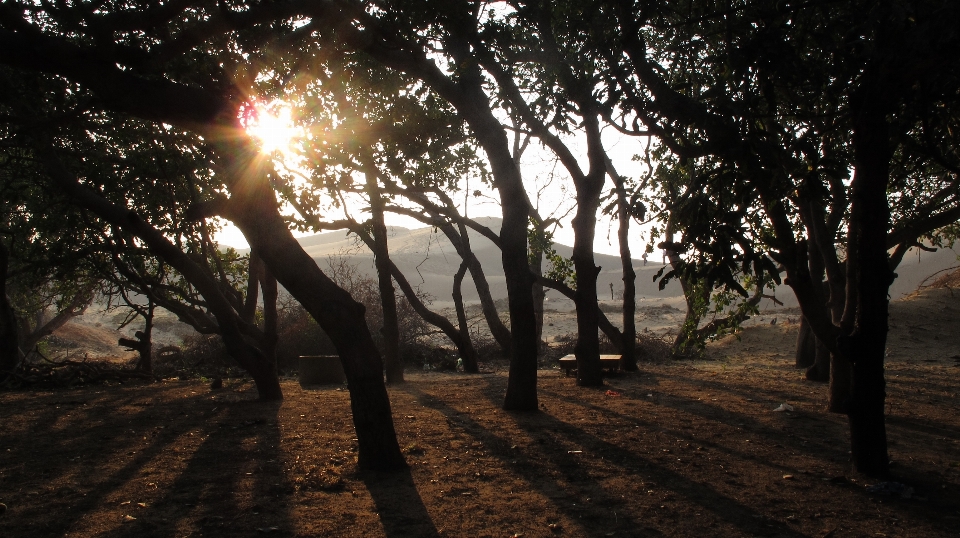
{"x": 540, "y": 242}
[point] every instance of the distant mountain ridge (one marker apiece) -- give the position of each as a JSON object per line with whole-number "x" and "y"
{"x": 429, "y": 262}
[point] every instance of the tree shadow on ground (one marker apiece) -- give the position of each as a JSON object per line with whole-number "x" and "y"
{"x": 647, "y": 469}
{"x": 120, "y": 473}
{"x": 399, "y": 504}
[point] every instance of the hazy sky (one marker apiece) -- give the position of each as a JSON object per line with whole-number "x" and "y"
{"x": 548, "y": 185}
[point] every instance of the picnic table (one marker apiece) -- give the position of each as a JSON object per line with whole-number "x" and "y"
{"x": 569, "y": 362}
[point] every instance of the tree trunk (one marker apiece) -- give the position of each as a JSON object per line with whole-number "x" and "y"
{"x": 822, "y": 363}
{"x": 270, "y": 339}
{"x": 9, "y": 331}
{"x": 539, "y": 294}
{"x": 584, "y": 223}
{"x": 806, "y": 353}
{"x": 693, "y": 296}
{"x": 460, "y": 338}
{"x": 259, "y": 361}
{"x": 78, "y": 306}
{"x": 461, "y": 242}
{"x": 865, "y": 347}
{"x": 388, "y": 301}
{"x": 522, "y": 381}
{"x": 145, "y": 364}
{"x": 464, "y": 346}
{"x": 628, "y": 360}
{"x": 341, "y": 317}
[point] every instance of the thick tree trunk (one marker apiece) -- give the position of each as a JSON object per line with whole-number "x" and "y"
{"x": 865, "y": 347}
{"x": 339, "y": 315}
{"x": 841, "y": 377}
{"x": 9, "y": 332}
{"x": 584, "y": 223}
{"x": 822, "y": 364}
{"x": 270, "y": 339}
{"x": 522, "y": 381}
{"x": 613, "y": 333}
{"x": 464, "y": 346}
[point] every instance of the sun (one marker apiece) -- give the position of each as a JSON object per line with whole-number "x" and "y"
{"x": 273, "y": 126}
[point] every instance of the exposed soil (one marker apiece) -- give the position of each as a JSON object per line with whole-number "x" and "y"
{"x": 679, "y": 449}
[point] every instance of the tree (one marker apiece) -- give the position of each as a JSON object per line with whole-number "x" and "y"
{"x": 356, "y": 114}
{"x": 185, "y": 66}
{"x": 771, "y": 90}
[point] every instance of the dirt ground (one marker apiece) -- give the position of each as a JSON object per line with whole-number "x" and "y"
{"x": 679, "y": 449}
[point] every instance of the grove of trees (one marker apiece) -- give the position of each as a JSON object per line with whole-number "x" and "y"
{"x": 814, "y": 139}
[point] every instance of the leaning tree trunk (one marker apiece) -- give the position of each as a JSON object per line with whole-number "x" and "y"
{"x": 254, "y": 208}
{"x": 865, "y": 347}
{"x": 388, "y": 301}
{"x": 30, "y": 338}
{"x": 460, "y": 338}
{"x": 461, "y": 242}
{"x": 9, "y": 332}
{"x": 228, "y": 321}
{"x": 464, "y": 346}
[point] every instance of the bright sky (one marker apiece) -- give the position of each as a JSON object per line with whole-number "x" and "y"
{"x": 272, "y": 125}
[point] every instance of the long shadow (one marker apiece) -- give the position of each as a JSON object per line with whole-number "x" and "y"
{"x": 147, "y": 437}
{"x": 924, "y": 485}
{"x": 241, "y": 444}
{"x": 56, "y": 455}
{"x": 535, "y": 472}
{"x": 540, "y": 424}
{"x": 395, "y": 495}
{"x": 743, "y": 517}
{"x": 399, "y": 504}
{"x": 927, "y": 427}
{"x": 707, "y": 411}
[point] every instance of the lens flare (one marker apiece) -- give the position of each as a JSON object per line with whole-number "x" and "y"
{"x": 272, "y": 125}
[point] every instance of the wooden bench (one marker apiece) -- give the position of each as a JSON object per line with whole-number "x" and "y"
{"x": 606, "y": 361}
